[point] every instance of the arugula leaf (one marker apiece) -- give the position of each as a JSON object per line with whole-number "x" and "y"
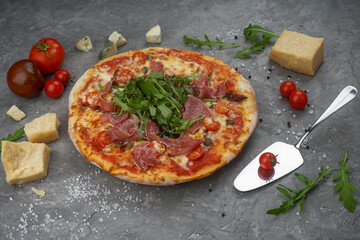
{"x": 207, "y": 42}
{"x": 344, "y": 187}
{"x": 251, "y": 31}
{"x": 299, "y": 195}
{"x": 258, "y": 47}
{"x": 154, "y": 97}
{"x": 17, "y": 134}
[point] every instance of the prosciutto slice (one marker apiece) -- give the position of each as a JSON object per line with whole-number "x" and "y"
{"x": 151, "y": 131}
{"x": 183, "y": 145}
{"x": 156, "y": 66}
{"x": 109, "y": 118}
{"x": 202, "y": 89}
{"x": 145, "y": 156}
{"x": 125, "y": 131}
{"x": 193, "y": 108}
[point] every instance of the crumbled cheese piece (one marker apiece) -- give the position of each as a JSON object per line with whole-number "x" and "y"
{"x": 154, "y": 35}
{"x": 298, "y": 52}
{"x": 117, "y": 38}
{"x": 84, "y": 44}
{"x": 108, "y": 49}
{"x": 16, "y": 113}
{"x": 39, "y": 192}
{"x": 24, "y": 161}
{"x": 43, "y": 129}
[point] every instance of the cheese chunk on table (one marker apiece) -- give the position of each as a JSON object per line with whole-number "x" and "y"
{"x": 117, "y": 38}
{"x": 154, "y": 35}
{"x": 24, "y": 161}
{"x": 16, "y": 113}
{"x": 43, "y": 129}
{"x": 298, "y": 52}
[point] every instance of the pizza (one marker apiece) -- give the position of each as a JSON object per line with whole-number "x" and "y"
{"x": 161, "y": 116}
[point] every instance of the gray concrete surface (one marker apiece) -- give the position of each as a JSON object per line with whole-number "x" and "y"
{"x": 83, "y": 202}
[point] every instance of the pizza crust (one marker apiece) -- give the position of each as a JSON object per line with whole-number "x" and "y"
{"x": 163, "y": 177}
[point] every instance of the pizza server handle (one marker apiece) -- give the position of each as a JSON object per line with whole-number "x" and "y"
{"x": 345, "y": 96}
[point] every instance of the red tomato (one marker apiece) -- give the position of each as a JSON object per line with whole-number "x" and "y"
{"x": 48, "y": 54}
{"x": 267, "y": 160}
{"x": 286, "y": 88}
{"x": 139, "y": 58}
{"x": 103, "y": 139}
{"x": 92, "y": 98}
{"x": 211, "y": 124}
{"x": 196, "y": 154}
{"x": 124, "y": 75}
{"x": 222, "y": 107}
{"x": 63, "y": 75}
{"x": 298, "y": 99}
{"x": 54, "y": 88}
{"x": 24, "y": 79}
{"x": 265, "y": 174}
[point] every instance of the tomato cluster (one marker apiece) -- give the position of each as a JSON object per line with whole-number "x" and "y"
{"x": 297, "y": 98}
{"x": 25, "y": 77}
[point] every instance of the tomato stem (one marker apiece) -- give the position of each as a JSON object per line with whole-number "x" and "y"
{"x": 273, "y": 160}
{"x": 42, "y": 46}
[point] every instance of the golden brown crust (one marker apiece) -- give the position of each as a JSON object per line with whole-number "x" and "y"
{"x": 226, "y": 146}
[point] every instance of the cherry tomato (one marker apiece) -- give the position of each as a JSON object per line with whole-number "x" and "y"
{"x": 211, "y": 124}
{"x": 92, "y": 98}
{"x": 267, "y": 160}
{"x": 266, "y": 174}
{"x": 103, "y": 139}
{"x": 139, "y": 58}
{"x": 124, "y": 75}
{"x": 54, "y": 88}
{"x": 286, "y": 88}
{"x": 222, "y": 107}
{"x": 196, "y": 154}
{"x": 298, "y": 99}
{"x": 63, "y": 75}
{"x": 24, "y": 79}
{"x": 48, "y": 54}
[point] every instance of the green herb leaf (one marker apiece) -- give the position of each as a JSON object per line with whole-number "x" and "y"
{"x": 207, "y": 42}
{"x": 344, "y": 187}
{"x": 299, "y": 195}
{"x": 153, "y": 96}
{"x": 258, "y": 47}
{"x": 17, "y": 134}
{"x": 251, "y": 32}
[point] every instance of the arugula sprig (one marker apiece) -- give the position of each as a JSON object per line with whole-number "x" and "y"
{"x": 158, "y": 98}
{"x": 251, "y": 33}
{"x": 299, "y": 195}
{"x": 208, "y": 42}
{"x": 344, "y": 187}
{"x": 17, "y": 134}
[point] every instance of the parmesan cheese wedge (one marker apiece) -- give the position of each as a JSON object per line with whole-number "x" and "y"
{"x": 84, "y": 44}
{"x": 16, "y": 113}
{"x": 298, "y": 52}
{"x": 117, "y": 38}
{"x": 154, "y": 35}
{"x": 24, "y": 161}
{"x": 43, "y": 129}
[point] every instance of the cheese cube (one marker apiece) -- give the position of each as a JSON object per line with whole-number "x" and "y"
{"x": 16, "y": 113}
{"x": 154, "y": 35}
{"x": 84, "y": 44}
{"x": 117, "y": 38}
{"x": 24, "y": 161}
{"x": 108, "y": 49}
{"x": 43, "y": 129}
{"x": 298, "y": 52}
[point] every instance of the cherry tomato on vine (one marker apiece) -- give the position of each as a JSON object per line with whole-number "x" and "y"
{"x": 267, "y": 160}
{"x": 298, "y": 99}
{"x": 63, "y": 75}
{"x": 48, "y": 54}
{"x": 54, "y": 88}
{"x": 286, "y": 88}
